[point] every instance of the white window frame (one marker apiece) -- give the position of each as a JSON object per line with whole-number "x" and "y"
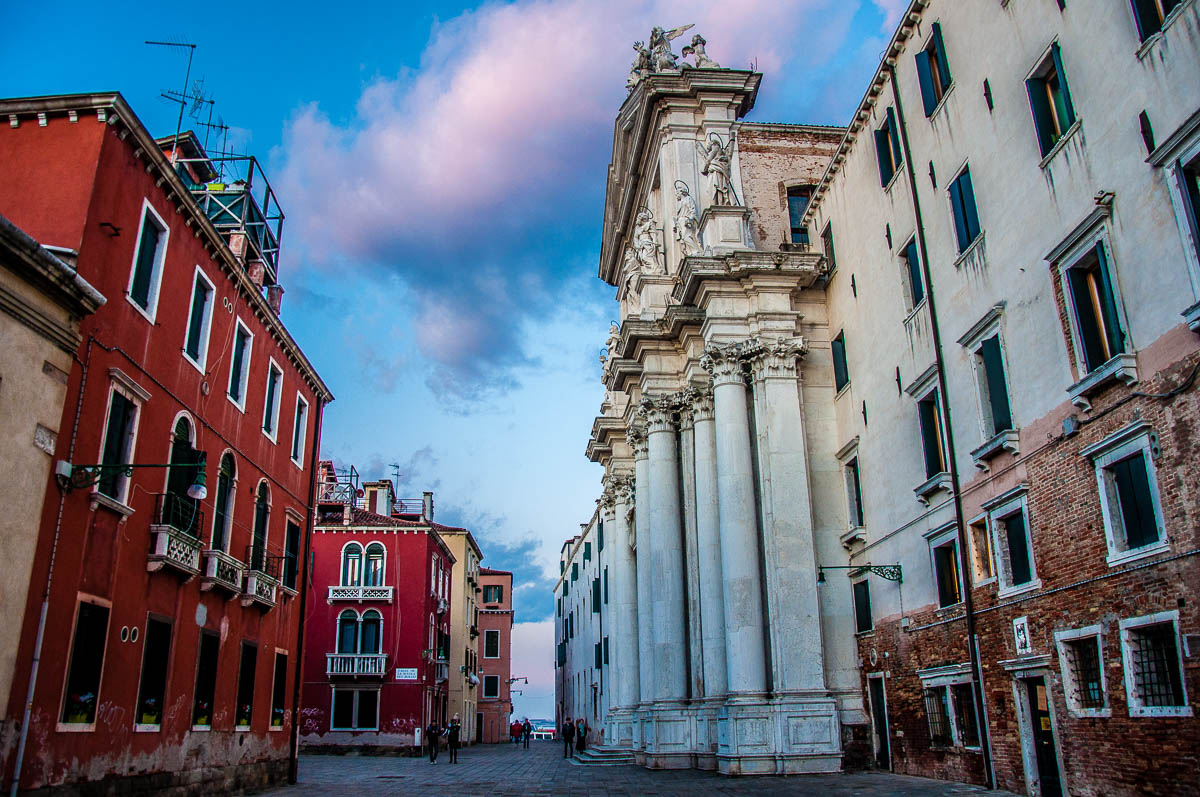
{"x": 1138, "y": 436}
{"x": 272, "y": 410}
{"x": 149, "y": 313}
{"x": 1070, "y": 687}
{"x": 852, "y": 506}
{"x": 1127, "y": 628}
{"x": 990, "y": 326}
{"x": 132, "y": 391}
{"x": 245, "y": 377}
{"x": 485, "y": 647}
{"x": 216, "y": 483}
{"x": 1080, "y": 250}
{"x": 205, "y": 323}
{"x": 906, "y": 286}
{"x": 485, "y": 689}
{"x": 356, "y": 691}
{"x": 943, "y": 678}
{"x": 854, "y": 606}
{"x": 382, "y": 563}
{"x": 1179, "y": 151}
{"x": 1005, "y": 506}
{"x": 362, "y": 558}
{"x": 939, "y": 538}
{"x": 299, "y": 421}
{"x": 83, "y": 727}
{"x": 977, "y": 578}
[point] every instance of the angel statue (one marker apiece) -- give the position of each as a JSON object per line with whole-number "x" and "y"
{"x": 646, "y": 243}
{"x": 614, "y": 340}
{"x": 660, "y": 47}
{"x": 696, "y": 48}
{"x": 641, "y": 65}
{"x": 687, "y": 221}
{"x": 716, "y": 158}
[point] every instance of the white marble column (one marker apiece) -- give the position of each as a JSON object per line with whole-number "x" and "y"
{"x": 623, "y": 637}
{"x": 745, "y": 654}
{"x": 691, "y": 589}
{"x": 708, "y": 548}
{"x": 645, "y": 586}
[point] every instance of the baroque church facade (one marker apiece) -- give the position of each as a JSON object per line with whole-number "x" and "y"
{"x": 899, "y": 424}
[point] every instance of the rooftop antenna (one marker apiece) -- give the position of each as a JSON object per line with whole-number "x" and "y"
{"x": 182, "y": 100}
{"x": 395, "y": 466}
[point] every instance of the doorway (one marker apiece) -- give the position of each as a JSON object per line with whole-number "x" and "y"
{"x": 478, "y": 727}
{"x": 879, "y": 723}
{"x": 1037, "y": 737}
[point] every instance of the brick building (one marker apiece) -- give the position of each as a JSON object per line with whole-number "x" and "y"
{"x": 160, "y": 639}
{"x": 496, "y": 620}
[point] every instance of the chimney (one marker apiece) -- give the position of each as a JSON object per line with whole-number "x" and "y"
{"x": 427, "y": 506}
{"x": 275, "y": 297}
{"x": 237, "y": 245}
{"x": 257, "y": 272}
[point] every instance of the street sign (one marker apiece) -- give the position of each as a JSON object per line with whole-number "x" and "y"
{"x": 406, "y": 673}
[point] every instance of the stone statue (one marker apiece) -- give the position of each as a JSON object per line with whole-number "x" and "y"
{"x": 687, "y": 221}
{"x": 641, "y": 65}
{"x": 716, "y": 164}
{"x": 614, "y": 339}
{"x": 645, "y": 241}
{"x": 696, "y": 48}
{"x": 662, "y": 59}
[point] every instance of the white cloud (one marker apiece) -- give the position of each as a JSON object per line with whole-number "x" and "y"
{"x": 532, "y": 657}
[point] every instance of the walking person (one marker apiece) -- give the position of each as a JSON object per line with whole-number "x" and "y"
{"x": 568, "y": 734}
{"x": 432, "y": 733}
{"x": 527, "y": 731}
{"x": 452, "y": 734}
{"x": 581, "y": 733}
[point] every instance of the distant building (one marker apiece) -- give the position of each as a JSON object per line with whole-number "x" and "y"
{"x": 464, "y": 683}
{"x": 496, "y": 619}
{"x": 376, "y": 667}
{"x": 582, "y": 638}
{"x": 166, "y": 652}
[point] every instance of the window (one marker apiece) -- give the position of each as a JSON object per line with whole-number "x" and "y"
{"x": 1151, "y": 14}
{"x": 156, "y": 651}
{"x": 950, "y": 709}
{"x": 352, "y": 565}
{"x": 370, "y": 633}
{"x": 571, "y": 625}
{"x": 994, "y": 409}
{"x": 797, "y": 200}
{"x": 575, "y": 571}
{"x": 596, "y": 595}
{"x": 887, "y": 149}
{"x": 606, "y": 650}
{"x": 119, "y": 432}
{"x": 943, "y": 549}
{"x": 239, "y": 368}
{"x": 1050, "y": 100}
{"x": 491, "y": 683}
{"x": 606, "y": 586}
{"x": 81, "y": 696}
{"x": 262, "y": 514}
{"x": 178, "y": 509}
{"x": 863, "y": 621}
{"x": 914, "y": 281}
{"x": 206, "y": 680}
{"x": 936, "y": 710}
{"x": 933, "y": 71}
{"x": 587, "y": 551}
{"x": 1080, "y": 656}
{"x": 146, "y": 275}
{"x": 981, "y": 551}
{"x": 930, "y": 416}
{"x": 270, "y": 423}
{"x": 827, "y": 246}
{"x": 223, "y": 503}
{"x": 493, "y": 593}
{"x": 854, "y": 502}
{"x": 199, "y": 321}
{"x": 963, "y": 698}
{"x": 355, "y": 710}
{"x": 1125, "y": 473}
{"x": 1012, "y": 545}
{"x": 1153, "y": 668}
{"x": 279, "y": 690}
{"x": 373, "y": 576}
{"x": 291, "y": 554}
{"x": 1089, "y": 289}
{"x": 491, "y": 644}
{"x": 347, "y": 632}
{"x": 598, "y": 656}
{"x": 962, "y": 207}
{"x": 841, "y": 376}
{"x": 245, "y": 688}
{"x": 299, "y": 430}
{"x": 600, "y": 536}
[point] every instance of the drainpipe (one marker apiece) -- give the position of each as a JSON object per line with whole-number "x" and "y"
{"x": 948, "y": 430}
{"x": 303, "y": 574}
{"x": 41, "y": 629}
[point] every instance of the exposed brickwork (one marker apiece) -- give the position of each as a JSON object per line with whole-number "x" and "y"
{"x": 241, "y": 779}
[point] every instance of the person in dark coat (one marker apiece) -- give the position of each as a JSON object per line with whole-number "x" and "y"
{"x": 568, "y": 734}
{"x": 526, "y": 732}
{"x": 452, "y": 733}
{"x": 432, "y": 734}
{"x": 581, "y": 733}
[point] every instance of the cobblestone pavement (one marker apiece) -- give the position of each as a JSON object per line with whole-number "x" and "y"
{"x": 504, "y": 769}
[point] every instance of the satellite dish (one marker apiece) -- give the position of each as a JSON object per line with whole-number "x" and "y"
{"x": 358, "y": 493}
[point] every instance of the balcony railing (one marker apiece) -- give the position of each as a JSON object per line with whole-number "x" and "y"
{"x": 262, "y": 577}
{"x": 408, "y": 506}
{"x": 360, "y": 594}
{"x": 373, "y": 664}
{"x": 221, "y": 570}
{"x": 173, "y": 542}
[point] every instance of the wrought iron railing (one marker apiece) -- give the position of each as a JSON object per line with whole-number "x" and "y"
{"x": 179, "y": 512}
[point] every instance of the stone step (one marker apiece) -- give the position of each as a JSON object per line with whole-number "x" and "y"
{"x": 593, "y": 756}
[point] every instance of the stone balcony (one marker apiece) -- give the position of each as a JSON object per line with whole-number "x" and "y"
{"x": 173, "y": 541}
{"x": 221, "y": 571}
{"x": 259, "y": 589}
{"x": 356, "y": 664}
{"x": 360, "y": 594}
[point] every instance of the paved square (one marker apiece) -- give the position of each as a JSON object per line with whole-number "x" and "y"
{"x": 504, "y": 769}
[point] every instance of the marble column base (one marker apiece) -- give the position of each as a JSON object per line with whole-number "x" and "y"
{"x": 619, "y": 727}
{"x": 669, "y": 731}
{"x": 788, "y": 734}
{"x": 705, "y": 714}
{"x": 639, "y": 721}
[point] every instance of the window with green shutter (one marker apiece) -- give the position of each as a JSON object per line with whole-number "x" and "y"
{"x": 933, "y": 71}
{"x": 993, "y": 386}
{"x": 962, "y": 207}
{"x": 1050, "y": 100}
{"x": 913, "y": 279}
{"x": 841, "y": 376}
{"x": 1095, "y": 321}
{"x": 887, "y": 148}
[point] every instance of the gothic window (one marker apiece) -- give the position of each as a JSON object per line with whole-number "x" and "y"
{"x": 352, "y": 565}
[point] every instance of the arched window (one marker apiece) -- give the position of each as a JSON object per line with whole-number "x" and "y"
{"x": 223, "y": 503}
{"x": 262, "y": 513}
{"x": 180, "y": 511}
{"x": 370, "y": 632}
{"x": 352, "y": 565}
{"x": 373, "y": 576}
{"x": 347, "y": 636}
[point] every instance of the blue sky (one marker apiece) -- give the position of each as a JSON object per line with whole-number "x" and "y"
{"x": 442, "y": 167}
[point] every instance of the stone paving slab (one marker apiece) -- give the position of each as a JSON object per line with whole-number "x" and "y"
{"x": 507, "y": 770}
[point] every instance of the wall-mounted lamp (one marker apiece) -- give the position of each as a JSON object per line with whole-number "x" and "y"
{"x": 890, "y": 572}
{"x": 78, "y": 477}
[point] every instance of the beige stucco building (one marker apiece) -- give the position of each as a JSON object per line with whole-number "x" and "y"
{"x": 464, "y": 628}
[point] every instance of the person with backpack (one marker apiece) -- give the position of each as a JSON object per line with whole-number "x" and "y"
{"x": 432, "y": 734}
{"x": 452, "y": 738}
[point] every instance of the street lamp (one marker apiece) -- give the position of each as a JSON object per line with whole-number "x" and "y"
{"x": 890, "y": 572}
{"x": 78, "y": 477}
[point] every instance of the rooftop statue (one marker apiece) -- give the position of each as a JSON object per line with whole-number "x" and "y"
{"x": 716, "y": 163}
{"x": 696, "y": 48}
{"x": 657, "y": 56}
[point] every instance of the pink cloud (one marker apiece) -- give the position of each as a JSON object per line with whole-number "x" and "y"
{"x": 892, "y": 11}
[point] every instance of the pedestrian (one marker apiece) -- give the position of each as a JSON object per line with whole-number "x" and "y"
{"x": 568, "y": 734}
{"x": 431, "y": 735}
{"x": 581, "y": 732}
{"x": 528, "y": 731}
{"x": 452, "y": 734}
{"x": 514, "y": 732}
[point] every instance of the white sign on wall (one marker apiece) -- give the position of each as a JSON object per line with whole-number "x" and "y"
{"x": 406, "y": 673}
{"x": 1021, "y": 636}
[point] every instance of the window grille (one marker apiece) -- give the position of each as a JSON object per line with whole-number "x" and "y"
{"x": 1155, "y": 665}
{"x": 939, "y": 719}
{"x": 1083, "y": 661}
{"x": 964, "y": 714}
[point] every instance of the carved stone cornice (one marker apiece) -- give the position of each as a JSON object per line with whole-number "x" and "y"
{"x": 723, "y": 363}
{"x": 774, "y": 359}
{"x": 803, "y": 266}
{"x": 636, "y": 437}
{"x": 658, "y": 412}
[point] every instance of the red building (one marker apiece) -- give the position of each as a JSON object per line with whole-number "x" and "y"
{"x": 160, "y": 641}
{"x": 378, "y": 629}
{"x": 495, "y": 655}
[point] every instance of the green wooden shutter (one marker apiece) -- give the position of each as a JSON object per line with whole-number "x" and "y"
{"x": 1137, "y": 504}
{"x": 940, "y": 50}
{"x": 960, "y": 222}
{"x": 1068, "y": 108}
{"x": 1039, "y": 105}
{"x": 841, "y": 376}
{"x": 993, "y": 368}
{"x": 883, "y": 149}
{"x": 925, "y": 77}
{"x": 862, "y": 606}
{"x": 894, "y": 139}
{"x": 1146, "y": 14}
{"x": 927, "y": 413}
{"x": 970, "y": 214}
{"x": 147, "y": 253}
{"x": 1108, "y": 304}
{"x": 200, "y": 296}
{"x": 1018, "y": 549}
{"x": 120, "y": 417}
{"x": 915, "y": 280}
{"x": 606, "y": 585}
{"x": 596, "y": 595}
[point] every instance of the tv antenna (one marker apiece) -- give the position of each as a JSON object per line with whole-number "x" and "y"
{"x": 182, "y": 95}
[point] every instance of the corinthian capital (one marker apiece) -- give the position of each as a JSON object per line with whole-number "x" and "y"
{"x": 658, "y": 412}
{"x": 636, "y": 437}
{"x": 702, "y": 404}
{"x": 774, "y": 359}
{"x": 724, "y": 363}
{"x": 621, "y": 488}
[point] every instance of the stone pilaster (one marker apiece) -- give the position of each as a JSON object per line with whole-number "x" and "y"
{"x": 640, "y": 536}
{"x": 623, "y": 654}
